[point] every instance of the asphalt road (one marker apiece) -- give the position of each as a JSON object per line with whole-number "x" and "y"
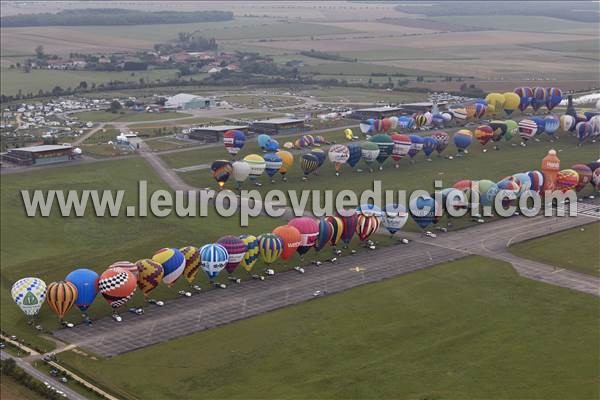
{"x": 71, "y": 394}
{"x": 184, "y": 316}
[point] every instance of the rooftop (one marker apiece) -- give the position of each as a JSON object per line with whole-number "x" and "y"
{"x": 379, "y": 109}
{"x": 42, "y": 148}
{"x": 182, "y": 97}
{"x": 425, "y": 104}
{"x": 281, "y": 120}
{"x": 221, "y": 127}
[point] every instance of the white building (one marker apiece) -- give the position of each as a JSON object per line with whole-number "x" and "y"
{"x": 184, "y": 101}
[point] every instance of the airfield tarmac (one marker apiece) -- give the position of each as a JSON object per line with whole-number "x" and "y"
{"x": 185, "y": 316}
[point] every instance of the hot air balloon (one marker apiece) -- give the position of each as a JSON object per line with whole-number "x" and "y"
{"x": 394, "y": 218}
{"x": 236, "y": 248}
{"x": 117, "y": 286}
{"x": 173, "y": 263}
{"x": 508, "y": 184}
{"x": 366, "y": 225}
{"x": 525, "y": 95}
{"x": 369, "y": 152}
{"x": 429, "y": 146}
{"x": 86, "y": 282}
{"x": 354, "y": 154}
{"x": 126, "y": 265}
{"x": 366, "y": 126}
{"x": 60, "y": 297}
{"x": 401, "y": 147}
{"x": 583, "y": 131}
{"x": 257, "y": 166}
{"x": 511, "y": 102}
{"x": 213, "y": 258}
{"x": 192, "y": 262}
{"x": 566, "y": 180}
{"x": 495, "y": 102}
{"x": 234, "y": 141}
{"x": 309, "y": 229}
{"x": 272, "y": 145}
{"x": 483, "y": 134}
{"x": 422, "y": 210}
{"x": 251, "y": 255}
{"x": 420, "y": 120}
{"x": 527, "y": 129}
{"x": 270, "y": 247}
{"x": 524, "y": 182}
{"x": 458, "y": 199}
{"x": 338, "y": 228}
{"x": 459, "y": 113}
{"x": 272, "y": 164}
{"x": 442, "y": 141}
{"x": 512, "y": 129}
{"x": 541, "y": 124}
{"x": 385, "y": 144}
{"x": 349, "y": 222}
{"x": 290, "y": 239}
{"x": 150, "y": 275}
{"x": 596, "y": 178}
{"x": 348, "y": 134}
{"x": 462, "y": 140}
{"x": 309, "y": 164}
{"x": 29, "y": 295}
{"x": 567, "y": 123}
{"x": 241, "y": 172}
{"x": 321, "y": 156}
{"x": 325, "y": 234}
{"x": 338, "y": 155}
{"x": 539, "y": 98}
{"x": 287, "y": 160}
{"x": 537, "y": 180}
{"x": 553, "y": 98}
{"x": 585, "y": 175}
{"x": 221, "y": 171}
{"x": 262, "y": 140}
{"x": 499, "y": 129}
{"x": 551, "y": 124}
{"x": 416, "y": 145}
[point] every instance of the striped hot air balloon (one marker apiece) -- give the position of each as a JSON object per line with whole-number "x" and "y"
{"x": 401, "y": 147}
{"x": 349, "y": 219}
{"x": 126, "y": 265}
{"x": 309, "y": 164}
{"x": 236, "y": 248}
{"x": 290, "y": 238}
{"x": 213, "y": 258}
{"x": 325, "y": 234}
{"x": 553, "y": 97}
{"x": 462, "y": 139}
{"x": 338, "y": 228}
{"x": 60, "y": 297}
{"x": 366, "y": 225}
{"x": 566, "y": 180}
{"x": 251, "y": 255}
{"x": 585, "y": 175}
{"x": 525, "y": 95}
{"x": 527, "y": 129}
{"x": 192, "y": 262}
{"x": 539, "y": 98}
{"x": 150, "y": 275}
{"x": 173, "y": 263}
{"x": 270, "y": 247}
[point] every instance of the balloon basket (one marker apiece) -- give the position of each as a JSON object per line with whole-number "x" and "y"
{"x": 272, "y": 180}
{"x": 317, "y": 263}
{"x": 333, "y": 260}
{"x": 158, "y": 303}
{"x": 304, "y": 178}
{"x": 485, "y": 150}
{"x": 257, "y": 184}
{"x": 117, "y": 317}
{"x": 284, "y": 179}
{"x": 337, "y": 173}
{"x": 429, "y": 160}
{"x": 197, "y": 288}
{"x": 397, "y": 166}
{"x": 258, "y": 277}
{"x": 219, "y": 285}
{"x": 300, "y": 270}
{"x": 234, "y": 279}
{"x": 381, "y": 168}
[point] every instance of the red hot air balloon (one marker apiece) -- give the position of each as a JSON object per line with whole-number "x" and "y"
{"x": 585, "y": 175}
{"x": 566, "y": 180}
{"x": 366, "y": 225}
{"x": 126, "y": 265}
{"x": 291, "y": 239}
{"x": 309, "y": 230}
{"x": 484, "y": 134}
{"x": 117, "y": 286}
{"x": 236, "y": 248}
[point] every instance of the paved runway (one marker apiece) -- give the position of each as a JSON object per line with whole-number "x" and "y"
{"x": 184, "y": 316}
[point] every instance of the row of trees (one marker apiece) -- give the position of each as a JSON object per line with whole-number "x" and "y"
{"x": 112, "y": 16}
{"x": 9, "y": 367}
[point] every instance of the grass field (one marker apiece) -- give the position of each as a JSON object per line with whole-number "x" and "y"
{"x": 558, "y": 249}
{"x": 467, "y": 329}
{"x": 107, "y": 116}
{"x": 10, "y": 389}
{"x": 13, "y": 80}
{"x": 53, "y": 246}
{"x": 524, "y": 23}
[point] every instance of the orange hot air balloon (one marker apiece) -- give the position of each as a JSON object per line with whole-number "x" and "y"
{"x": 550, "y": 168}
{"x": 61, "y": 296}
{"x": 567, "y": 179}
{"x": 291, "y": 239}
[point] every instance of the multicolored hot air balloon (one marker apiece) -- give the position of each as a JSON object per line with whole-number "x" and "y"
{"x": 462, "y": 140}
{"x": 272, "y": 164}
{"x": 401, "y": 147}
{"x": 270, "y": 247}
{"x": 385, "y": 144}
{"x": 442, "y": 140}
{"x": 192, "y": 262}
{"x": 567, "y": 122}
{"x": 213, "y": 258}
{"x": 309, "y": 164}
{"x": 236, "y": 248}
{"x": 349, "y": 222}
{"x": 173, "y": 263}
{"x": 325, "y": 234}
{"x": 483, "y": 134}
{"x": 553, "y": 98}
{"x": 499, "y": 129}
{"x": 527, "y": 129}
{"x": 29, "y": 295}
{"x": 234, "y": 141}
{"x": 117, "y": 286}
{"x": 60, "y": 297}
{"x": 86, "y": 282}
{"x": 366, "y": 225}
{"x": 309, "y": 229}
{"x": 585, "y": 175}
{"x": 420, "y": 120}
{"x": 290, "y": 238}
{"x": 566, "y": 180}
{"x": 369, "y": 153}
{"x": 583, "y": 130}
{"x": 525, "y": 95}
{"x": 150, "y": 275}
{"x": 251, "y": 255}
{"x": 551, "y": 124}
{"x": 338, "y": 155}
{"x": 429, "y": 146}
{"x": 287, "y": 160}
{"x": 416, "y": 145}
{"x": 537, "y": 180}
{"x": 221, "y": 171}
{"x": 539, "y": 98}
{"x": 257, "y": 166}
{"x": 394, "y": 218}
{"x": 338, "y": 228}
{"x": 126, "y": 265}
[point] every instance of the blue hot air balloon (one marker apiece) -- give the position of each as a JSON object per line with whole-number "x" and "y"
{"x": 429, "y": 145}
{"x": 394, "y": 218}
{"x": 262, "y": 140}
{"x": 273, "y": 163}
{"x": 272, "y": 145}
{"x": 551, "y": 124}
{"x": 416, "y": 146}
{"x": 355, "y": 154}
{"x": 422, "y": 210}
{"x": 541, "y": 124}
{"x": 213, "y": 258}
{"x": 86, "y": 282}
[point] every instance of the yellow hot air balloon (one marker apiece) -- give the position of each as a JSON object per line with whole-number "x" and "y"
{"x": 287, "y": 160}
{"x": 61, "y": 296}
{"x": 192, "y": 262}
{"x": 511, "y": 102}
{"x": 495, "y": 102}
{"x": 348, "y": 134}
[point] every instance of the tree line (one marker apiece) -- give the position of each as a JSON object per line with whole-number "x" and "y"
{"x": 112, "y": 16}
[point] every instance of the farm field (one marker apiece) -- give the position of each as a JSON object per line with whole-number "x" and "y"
{"x": 10, "y": 389}
{"x": 459, "y": 330}
{"x": 557, "y": 249}
{"x": 107, "y": 116}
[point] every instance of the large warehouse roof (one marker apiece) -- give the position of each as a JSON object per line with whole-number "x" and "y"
{"x": 42, "y": 148}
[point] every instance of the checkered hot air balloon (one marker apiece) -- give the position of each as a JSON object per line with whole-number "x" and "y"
{"x": 251, "y": 255}
{"x": 192, "y": 262}
{"x": 29, "y": 294}
{"x": 236, "y": 248}
{"x": 60, "y": 297}
{"x": 213, "y": 258}
{"x": 173, "y": 263}
{"x": 150, "y": 275}
{"x": 442, "y": 140}
{"x": 117, "y": 286}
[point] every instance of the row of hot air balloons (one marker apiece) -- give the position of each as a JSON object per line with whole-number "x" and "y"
{"x": 416, "y": 121}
